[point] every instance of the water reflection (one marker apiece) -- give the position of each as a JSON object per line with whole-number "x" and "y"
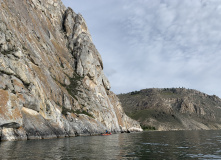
{"x": 147, "y": 145}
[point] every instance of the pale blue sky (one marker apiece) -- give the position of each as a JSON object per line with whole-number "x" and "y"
{"x": 156, "y": 43}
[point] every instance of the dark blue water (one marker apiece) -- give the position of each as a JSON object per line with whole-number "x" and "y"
{"x": 146, "y": 145}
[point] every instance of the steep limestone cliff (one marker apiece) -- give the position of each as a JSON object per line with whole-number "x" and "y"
{"x": 173, "y": 109}
{"x": 51, "y": 75}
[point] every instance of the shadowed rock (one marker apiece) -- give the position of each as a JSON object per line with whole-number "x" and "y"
{"x": 11, "y": 125}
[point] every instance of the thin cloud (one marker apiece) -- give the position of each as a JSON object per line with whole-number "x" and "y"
{"x": 160, "y": 43}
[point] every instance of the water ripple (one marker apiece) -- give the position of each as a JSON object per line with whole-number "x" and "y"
{"x": 146, "y": 145}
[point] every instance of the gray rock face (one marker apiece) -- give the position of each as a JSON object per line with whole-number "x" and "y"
{"x": 173, "y": 109}
{"x": 51, "y": 75}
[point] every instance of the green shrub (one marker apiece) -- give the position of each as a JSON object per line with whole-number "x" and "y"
{"x": 144, "y": 127}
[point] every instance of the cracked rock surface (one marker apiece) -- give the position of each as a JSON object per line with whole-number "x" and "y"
{"x": 52, "y": 82}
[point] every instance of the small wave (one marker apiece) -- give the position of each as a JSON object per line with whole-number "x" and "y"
{"x": 183, "y": 147}
{"x": 155, "y": 144}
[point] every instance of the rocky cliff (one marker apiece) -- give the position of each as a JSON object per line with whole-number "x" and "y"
{"x": 173, "y": 109}
{"x": 51, "y": 75}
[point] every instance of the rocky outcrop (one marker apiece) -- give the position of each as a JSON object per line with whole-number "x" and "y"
{"x": 173, "y": 109}
{"x": 51, "y": 75}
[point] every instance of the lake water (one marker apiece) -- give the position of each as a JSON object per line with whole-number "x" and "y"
{"x": 146, "y": 145}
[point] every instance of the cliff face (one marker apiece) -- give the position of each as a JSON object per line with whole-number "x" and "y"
{"x": 173, "y": 109}
{"x": 51, "y": 75}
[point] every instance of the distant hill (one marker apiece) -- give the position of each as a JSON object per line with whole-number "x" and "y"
{"x": 173, "y": 109}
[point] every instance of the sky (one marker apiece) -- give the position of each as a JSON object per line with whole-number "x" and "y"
{"x": 156, "y": 43}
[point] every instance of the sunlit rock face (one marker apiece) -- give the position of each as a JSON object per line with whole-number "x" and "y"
{"x": 51, "y": 75}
